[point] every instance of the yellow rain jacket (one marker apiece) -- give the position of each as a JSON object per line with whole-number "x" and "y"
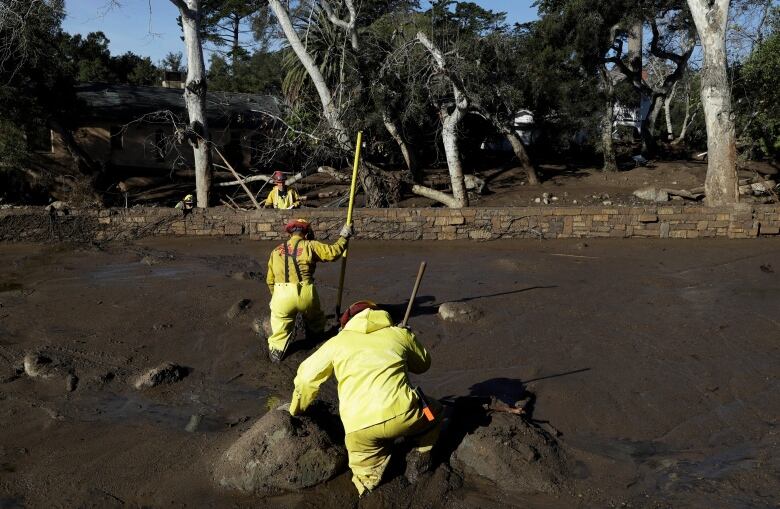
{"x": 290, "y": 199}
{"x": 296, "y": 260}
{"x": 370, "y": 359}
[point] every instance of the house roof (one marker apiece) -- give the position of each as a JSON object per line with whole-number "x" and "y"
{"x": 111, "y": 102}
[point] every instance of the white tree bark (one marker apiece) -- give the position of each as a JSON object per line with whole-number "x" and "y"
{"x": 450, "y": 122}
{"x": 668, "y": 113}
{"x": 392, "y": 127}
{"x": 326, "y": 98}
{"x": 721, "y": 182}
{"x": 195, "y": 98}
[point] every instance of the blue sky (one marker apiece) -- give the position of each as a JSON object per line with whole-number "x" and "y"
{"x": 131, "y": 27}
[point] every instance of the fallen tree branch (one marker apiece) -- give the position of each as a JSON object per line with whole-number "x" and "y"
{"x": 238, "y": 178}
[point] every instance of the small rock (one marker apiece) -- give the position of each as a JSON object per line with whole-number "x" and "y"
{"x": 674, "y": 182}
{"x": 459, "y": 312}
{"x": 245, "y": 276}
{"x": 192, "y": 425}
{"x": 167, "y": 373}
{"x": 651, "y": 193}
{"x": 574, "y": 202}
{"x": 537, "y": 200}
{"x": 545, "y": 195}
{"x": 767, "y": 269}
{"x": 554, "y": 198}
{"x": 546, "y": 201}
{"x": 71, "y": 382}
{"x": 238, "y": 308}
{"x": 606, "y": 203}
{"x": 39, "y": 366}
{"x": 760, "y": 188}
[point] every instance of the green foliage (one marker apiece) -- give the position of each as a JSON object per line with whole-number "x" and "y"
{"x": 758, "y": 99}
{"x": 259, "y": 73}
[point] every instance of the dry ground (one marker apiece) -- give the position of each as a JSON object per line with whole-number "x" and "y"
{"x": 656, "y": 360}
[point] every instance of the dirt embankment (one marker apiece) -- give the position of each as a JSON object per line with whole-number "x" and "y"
{"x": 653, "y": 365}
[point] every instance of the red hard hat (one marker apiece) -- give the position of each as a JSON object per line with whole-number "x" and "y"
{"x": 278, "y": 176}
{"x": 354, "y": 309}
{"x": 298, "y": 225}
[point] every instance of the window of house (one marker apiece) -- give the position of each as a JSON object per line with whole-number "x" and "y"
{"x": 39, "y": 139}
{"x": 116, "y": 133}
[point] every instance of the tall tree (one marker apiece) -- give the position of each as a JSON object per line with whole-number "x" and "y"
{"x": 721, "y": 184}
{"x": 195, "y": 89}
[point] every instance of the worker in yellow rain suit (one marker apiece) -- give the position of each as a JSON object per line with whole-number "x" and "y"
{"x": 290, "y": 279}
{"x": 281, "y": 196}
{"x": 370, "y": 359}
{"x": 186, "y": 203}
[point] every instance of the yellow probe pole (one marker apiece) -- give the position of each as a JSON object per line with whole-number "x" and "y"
{"x": 352, "y": 189}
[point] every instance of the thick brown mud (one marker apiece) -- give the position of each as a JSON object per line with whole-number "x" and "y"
{"x": 655, "y": 363}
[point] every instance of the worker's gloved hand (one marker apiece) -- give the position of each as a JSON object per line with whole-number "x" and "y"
{"x": 346, "y": 231}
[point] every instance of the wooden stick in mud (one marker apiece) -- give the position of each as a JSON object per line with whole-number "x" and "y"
{"x": 414, "y": 293}
{"x": 238, "y": 178}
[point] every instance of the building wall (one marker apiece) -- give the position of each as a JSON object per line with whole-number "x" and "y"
{"x": 137, "y": 146}
{"x": 674, "y": 222}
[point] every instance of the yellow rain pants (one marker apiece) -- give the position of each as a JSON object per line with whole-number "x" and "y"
{"x": 370, "y": 359}
{"x": 290, "y": 280}
{"x": 369, "y": 449}
{"x": 288, "y": 300}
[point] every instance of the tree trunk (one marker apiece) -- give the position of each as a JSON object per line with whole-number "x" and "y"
{"x": 195, "y": 98}
{"x": 721, "y": 183}
{"x": 686, "y": 122}
{"x": 392, "y": 127}
{"x": 522, "y": 155}
{"x": 668, "y": 116}
{"x": 649, "y": 146}
{"x": 328, "y": 108}
{"x": 449, "y": 136}
{"x": 450, "y": 121}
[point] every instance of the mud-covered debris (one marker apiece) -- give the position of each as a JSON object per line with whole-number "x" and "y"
{"x": 517, "y": 456}
{"x": 246, "y": 276}
{"x": 37, "y": 365}
{"x": 459, "y": 312}
{"x": 155, "y": 258}
{"x": 193, "y": 423}
{"x": 167, "y": 373}
{"x": 238, "y": 308}
{"x": 767, "y": 269}
{"x": 280, "y": 453}
{"x": 71, "y": 382}
{"x": 262, "y": 326}
{"x": 651, "y": 193}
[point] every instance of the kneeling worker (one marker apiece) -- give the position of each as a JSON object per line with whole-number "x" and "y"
{"x": 370, "y": 359}
{"x": 290, "y": 279}
{"x": 281, "y": 196}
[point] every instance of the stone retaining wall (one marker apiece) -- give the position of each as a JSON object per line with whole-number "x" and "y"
{"x": 668, "y": 221}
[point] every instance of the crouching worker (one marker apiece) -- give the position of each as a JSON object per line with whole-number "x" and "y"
{"x": 370, "y": 359}
{"x": 290, "y": 279}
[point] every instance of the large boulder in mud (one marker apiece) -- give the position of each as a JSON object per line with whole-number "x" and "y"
{"x": 281, "y": 453}
{"x": 517, "y": 456}
{"x": 459, "y": 312}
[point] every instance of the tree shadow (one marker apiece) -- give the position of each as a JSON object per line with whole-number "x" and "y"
{"x": 500, "y": 294}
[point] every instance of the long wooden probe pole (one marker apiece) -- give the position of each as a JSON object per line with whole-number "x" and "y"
{"x": 352, "y": 189}
{"x": 414, "y": 294}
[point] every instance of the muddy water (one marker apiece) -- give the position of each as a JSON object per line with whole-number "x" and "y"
{"x": 657, "y": 362}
